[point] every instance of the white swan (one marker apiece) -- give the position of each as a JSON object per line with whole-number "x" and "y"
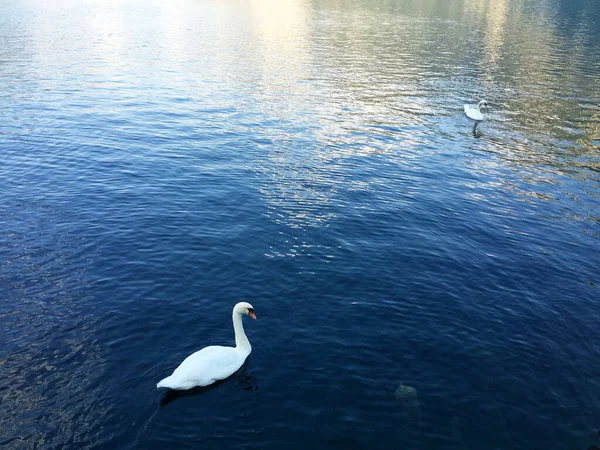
{"x": 474, "y": 112}
{"x": 215, "y": 362}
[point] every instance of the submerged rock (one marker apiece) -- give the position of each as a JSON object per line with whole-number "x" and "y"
{"x": 409, "y": 399}
{"x": 407, "y": 393}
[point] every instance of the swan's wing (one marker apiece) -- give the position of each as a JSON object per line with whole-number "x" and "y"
{"x": 208, "y": 365}
{"x": 473, "y": 113}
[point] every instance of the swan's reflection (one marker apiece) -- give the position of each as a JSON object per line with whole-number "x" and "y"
{"x": 241, "y": 377}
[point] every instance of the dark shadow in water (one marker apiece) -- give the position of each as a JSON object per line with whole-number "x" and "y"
{"x": 247, "y": 381}
{"x": 475, "y": 125}
{"x": 171, "y": 395}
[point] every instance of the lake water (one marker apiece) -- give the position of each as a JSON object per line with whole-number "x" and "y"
{"x": 417, "y": 285}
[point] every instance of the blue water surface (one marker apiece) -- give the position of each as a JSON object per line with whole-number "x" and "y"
{"x": 418, "y": 284}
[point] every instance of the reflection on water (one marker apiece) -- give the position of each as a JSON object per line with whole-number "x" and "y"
{"x": 282, "y": 32}
{"x": 378, "y": 84}
{"x": 162, "y": 158}
{"x": 49, "y": 358}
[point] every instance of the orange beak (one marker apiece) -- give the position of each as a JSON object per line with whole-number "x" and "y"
{"x": 251, "y": 314}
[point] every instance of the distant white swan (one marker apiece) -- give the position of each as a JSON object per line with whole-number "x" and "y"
{"x": 215, "y": 362}
{"x": 474, "y": 112}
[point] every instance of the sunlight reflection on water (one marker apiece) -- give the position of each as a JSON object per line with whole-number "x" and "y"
{"x": 164, "y": 158}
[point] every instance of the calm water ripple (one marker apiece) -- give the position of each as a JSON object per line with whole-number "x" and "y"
{"x": 418, "y": 284}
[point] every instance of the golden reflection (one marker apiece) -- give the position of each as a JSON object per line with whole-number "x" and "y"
{"x": 591, "y": 141}
{"x": 376, "y": 73}
{"x": 283, "y": 33}
{"x": 298, "y": 190}
{"x": 496, "y": 20}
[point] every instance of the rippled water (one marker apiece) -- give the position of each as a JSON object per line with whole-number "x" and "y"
{"x": 417, "y": 285}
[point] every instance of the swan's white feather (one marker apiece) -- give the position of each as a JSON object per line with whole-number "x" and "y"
{"x": 473, "y": 112}
{"x": 205, "y": 367}
{"x": 213, "y": 363}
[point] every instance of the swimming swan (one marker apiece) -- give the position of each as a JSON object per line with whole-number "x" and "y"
{"x": 215, "y": 362}
{"x": 474, "y": 112}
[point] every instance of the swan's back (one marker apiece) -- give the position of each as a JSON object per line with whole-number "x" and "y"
{"x": 205, "y": 367}
{"x": 215, "y": 362}
{"x": 473, "y": 112}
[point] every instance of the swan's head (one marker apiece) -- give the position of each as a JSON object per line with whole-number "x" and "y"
{"x": 244, "y": 308}
{"x": 482, "y": 104}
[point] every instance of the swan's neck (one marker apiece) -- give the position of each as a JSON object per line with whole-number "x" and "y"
{"x": 241, "y": 341}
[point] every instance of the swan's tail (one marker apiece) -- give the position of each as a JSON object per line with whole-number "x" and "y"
{"x": 168, "y": 383}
